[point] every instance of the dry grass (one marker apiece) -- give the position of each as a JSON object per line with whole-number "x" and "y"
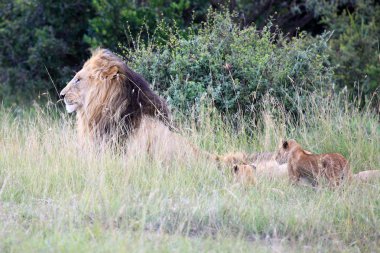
{"x": 57, "y": 196}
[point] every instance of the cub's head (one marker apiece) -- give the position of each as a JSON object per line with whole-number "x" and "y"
{"x": 96, "y": 82}
{"x": 244, "y": 173}
{"x": 284, "y": 149}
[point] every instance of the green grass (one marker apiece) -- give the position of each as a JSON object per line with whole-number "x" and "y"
{"x": 57, "y": 197}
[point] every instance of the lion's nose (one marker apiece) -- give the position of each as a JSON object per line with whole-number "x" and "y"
{"x": 61, "y": 95}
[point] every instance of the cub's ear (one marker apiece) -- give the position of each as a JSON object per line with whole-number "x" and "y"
{"x": 236, "y": 168}
{"x": 111, "y": 72}
{"x": 285, "y": 144}
{"x": 308, "y": 152}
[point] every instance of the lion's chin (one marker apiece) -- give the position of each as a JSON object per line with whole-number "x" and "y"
{"x": 71, "y": 108}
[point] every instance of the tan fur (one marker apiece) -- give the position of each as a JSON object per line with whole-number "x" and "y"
{"x": 367, "y": 176}
{"x": 267, "y": 166}
{"x": 261, "y": 157}
{"x": 113, "y": 102}
{"x": 263, "y": 162}
{"x": 271, "y": 169}
{"x": 244, "y": 174}
{"x": 154, "y": 141}
{"x": 231, "y": 159}
{"x": 332, "y": 167}
{"x": 283, "y": 159}
{"x": 110, "y": 99}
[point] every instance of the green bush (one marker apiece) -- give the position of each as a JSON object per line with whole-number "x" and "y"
{"x": 45, "y": 40}
{"x": 39, "y": 38}
{"x": 355, "y": 46}
{"x": 232, "y": 68}
{"x": 115, "y": 19}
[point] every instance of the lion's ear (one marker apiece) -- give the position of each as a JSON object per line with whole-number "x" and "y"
{"x": 285, "y": 144}
{"x": 111, "y": 72}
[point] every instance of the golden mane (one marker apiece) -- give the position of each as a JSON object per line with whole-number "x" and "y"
{"x": 116, "y": 98}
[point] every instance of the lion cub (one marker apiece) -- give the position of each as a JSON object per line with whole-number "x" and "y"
{"x": 332, "y": 167}
{"x": 244, "y": 174}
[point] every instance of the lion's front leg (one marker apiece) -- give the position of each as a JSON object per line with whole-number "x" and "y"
{"x": 294, "y": 175}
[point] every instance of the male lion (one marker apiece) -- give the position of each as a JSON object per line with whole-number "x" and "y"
{"x": 301, "y": 164}
{"x": 113, "y": 104}
{"x": 110, "y": 99}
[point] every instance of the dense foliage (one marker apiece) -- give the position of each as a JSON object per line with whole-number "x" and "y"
{"x": 355, "y": 47}
{"x": 45, "y": 41}
{"x": 116, "y": 19}
{"x": 232, "y": 68}
{"x": 40, "y": 38}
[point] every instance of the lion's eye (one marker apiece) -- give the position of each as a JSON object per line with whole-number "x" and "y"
{"x": 77, "y": 81}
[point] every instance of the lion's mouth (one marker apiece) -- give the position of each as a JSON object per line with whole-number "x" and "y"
{"x": 71, "y": 107}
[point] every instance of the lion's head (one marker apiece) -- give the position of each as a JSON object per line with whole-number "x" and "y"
{"x": 109, "y": 97}
{"x": 284, "y": 150}
{"x": 244, "y": 173}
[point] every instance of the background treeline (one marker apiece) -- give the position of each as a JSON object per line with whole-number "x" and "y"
{"x": 235, "y": 52}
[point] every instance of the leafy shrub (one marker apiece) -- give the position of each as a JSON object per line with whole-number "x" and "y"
{"x": 44, "y": 40}
{"x": 233, "y": 68}
{"x": 39, "y": 38}
{"x": 355, "y": 45}
{"x": 114, "y": 19}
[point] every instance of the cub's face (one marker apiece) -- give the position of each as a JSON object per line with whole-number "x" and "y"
{"x": 75, "y": 91}
{"x": 282, "y": 153}
{"x": 244, "y": 173}
{"x": 284, "y": 150}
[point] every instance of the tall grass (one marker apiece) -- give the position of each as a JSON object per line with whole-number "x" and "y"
{"x": 57, "y": 196}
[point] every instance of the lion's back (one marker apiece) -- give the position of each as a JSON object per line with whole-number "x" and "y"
{"x": 335, "y": 167}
